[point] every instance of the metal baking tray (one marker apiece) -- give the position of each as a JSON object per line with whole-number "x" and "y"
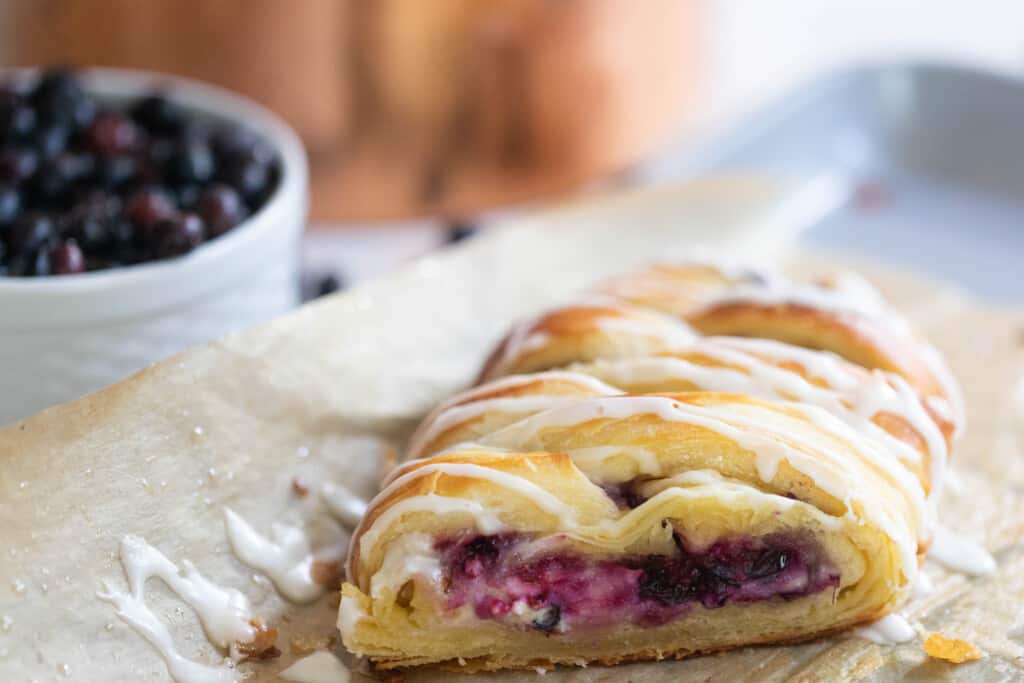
{"x": 916, "y": 165}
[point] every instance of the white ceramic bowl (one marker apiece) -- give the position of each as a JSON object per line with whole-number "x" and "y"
{"x": 64, "y": 336}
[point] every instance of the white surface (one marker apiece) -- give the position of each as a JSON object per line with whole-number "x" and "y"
{"x": 755, "y": 50}
{"x": 61, "y": 337}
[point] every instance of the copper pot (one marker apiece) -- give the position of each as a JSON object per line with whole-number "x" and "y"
{"x": 412, "y": 107}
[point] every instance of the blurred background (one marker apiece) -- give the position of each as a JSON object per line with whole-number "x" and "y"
{"x": 426, "y": 121}
{"x": 449, "y": 109}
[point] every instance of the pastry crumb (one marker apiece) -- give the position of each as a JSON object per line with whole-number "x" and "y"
{"x": 326, "y": 573}
{"x": 304, "y": 645}
{"x": 261, "y": 647}
{"x": 952, "y": 650}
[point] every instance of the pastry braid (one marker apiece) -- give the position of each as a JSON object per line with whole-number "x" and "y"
{"x": 647, "y": 492}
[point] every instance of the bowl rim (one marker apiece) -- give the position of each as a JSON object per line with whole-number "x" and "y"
{"x": 290, "y": 197}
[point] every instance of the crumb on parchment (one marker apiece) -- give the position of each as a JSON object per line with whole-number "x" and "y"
{"x": 308, "y": 644}
{"x": 952, "y": 650}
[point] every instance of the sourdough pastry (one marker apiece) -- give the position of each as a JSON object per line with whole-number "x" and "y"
{"x": 653, "y": 495}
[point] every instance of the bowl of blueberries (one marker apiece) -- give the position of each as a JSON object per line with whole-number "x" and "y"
{"x": 140, "y": 214}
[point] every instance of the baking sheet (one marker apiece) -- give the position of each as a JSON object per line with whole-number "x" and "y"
{"x": 921, "y": 166}
{"x": 321, "y": 393}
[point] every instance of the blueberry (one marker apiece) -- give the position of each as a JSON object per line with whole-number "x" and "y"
{"x": 20, "y": 265}
{"x": 459, "y": 231}
{"x": 66, "y": 258}
{"x": 17, "y": 164}
{"x": 548, "y": 620}
{"x": 248, "y": 176}
{"x": 113, "y": 133}
{"x": 112, "y": 172}
{"x": 191, "y": 162}
{"x": 221, "y": 208}
{"x": 145, "y": 207}
{"x": 768, "y": 564}
{"x": 124, "y": 243}
{"x": 51, "y": 140}
{"x": 41, "y": 262}
{"x": 52, "y": 184}
{"x": 159, "y": 114}
{"x": 17, "y": 118}
{"x": 188, "y": 197}
{"x": 161, "y": 151}
{"x": 178, "y": 235}
{"x": 328, "y": 285}
{"x": 10, "y": 204}
{"x": 239, "y": 143}
{"x": 665, "y": 581}
{"x": 91, "y": 222}
{"x": 29, "y": 232}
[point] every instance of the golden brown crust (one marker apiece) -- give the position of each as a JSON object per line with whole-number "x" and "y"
{"x": 579, "y": 333}
{"x": 481, "y": 665}
{"x": 696, "y": 463}
{"x": 700, "y": 295}
{"x": 855, "y": 337}
{"x": 487, "y": 407}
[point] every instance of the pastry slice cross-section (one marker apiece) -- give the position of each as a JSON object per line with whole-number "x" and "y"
{"x": 629, "y": 527}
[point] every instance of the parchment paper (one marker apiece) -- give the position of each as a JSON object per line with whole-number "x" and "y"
{"x": 322, "y": 392}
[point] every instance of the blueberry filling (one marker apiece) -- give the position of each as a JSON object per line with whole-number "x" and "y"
{"x": 510, "y": 578}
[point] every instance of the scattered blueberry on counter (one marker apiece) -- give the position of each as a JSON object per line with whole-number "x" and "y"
{"x": 458, "y": 231}
{"x": 88, "y": 186}
{"x": 318, "y": 284}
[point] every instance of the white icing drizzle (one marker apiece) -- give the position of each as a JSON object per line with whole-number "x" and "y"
{"x": 884, "y": 392}
{"x": 470, "y": 404}
{"x": 730, "y": 267}
{"x": 954, "y": 398}
{"x": 631, "y": 321}
{"x": 956, "y": 552}
{"x": 133, "y": 611}
{"x": 319, "y": 667}
{"x": 461, "y": 414}
{"x": 224, "y": 612}
{"x": 668, "y": 330}
{"x": 889, "y": 630}
{"x": 545, "y": 500}
{"x": 853, "y": 400}
{"x": 922, "y": 586}
{"x": 286, "y": 558}
{"x": 521, "y": 338}
{"x": 853, "y": 294}
{"x": 864, "y": 300}
{"x": 346, "y": 506}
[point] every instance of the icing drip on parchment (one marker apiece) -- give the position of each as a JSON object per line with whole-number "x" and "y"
{"x": 890, "y": 630}
{"x": 286, "y": 557}
{"x": 224, "y": 613}
{"x": 319, "y": 667}
{"x": 960, "y": 554}
{"x": 345, "y": 506}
